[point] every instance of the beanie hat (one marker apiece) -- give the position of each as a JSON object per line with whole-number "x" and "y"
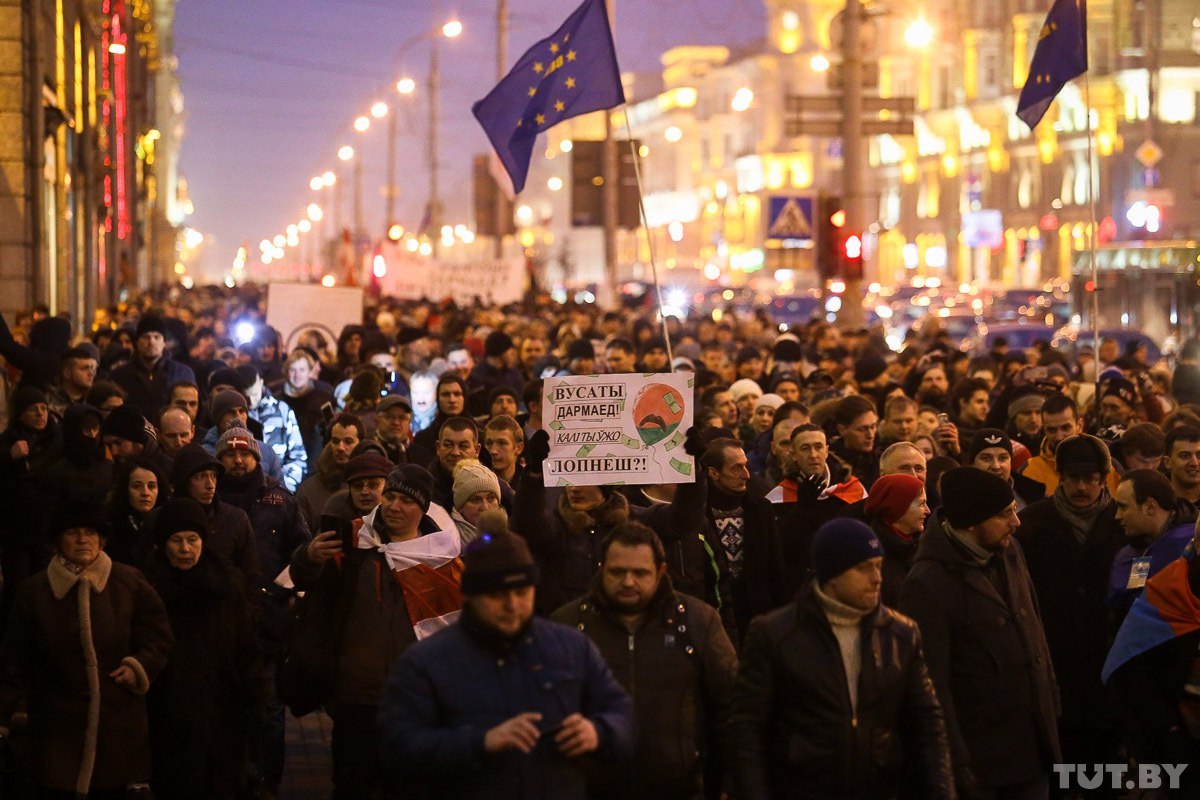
{"x": 787, "y": 350}
{"x": 150, "y": 323}
{"x": 743, "y": 387}
{"x": 125, "y": 422}
{"x": 1120, "y": 388}
{"x": 226, "y": 402}
{"x": 77, "y": 514}
{"x": 238, "y": 438}
{"x": 774, "y": 401}
{"x": 497, "y": 343}
{"x": 472, "y": 477}
{"x": 1082, "y": 454}
{"x": 985, "y": 438}
{"x": 225, "y": 376}
{"x": 870, "y": 365}
{"x": 191, "y": 459}
{"x": 367, "y": 465}
{"x": 747, "y": 354}
{"x": 1025, "y": 402}
{"x": 892, "y": 495}
{"x": 495, "y": 562}
{"x": 971, "y": 496}
{"x": 581, "y": 348}
{"x": 410, "y": 335}
{"x": 25, "y": 397}
{"x": 180, "y": 514}
{"x": 412, "y": 481}
{"x": 83, "y": 350}
{"x": 501, "y": 391}
{"x": 841, "y": 544}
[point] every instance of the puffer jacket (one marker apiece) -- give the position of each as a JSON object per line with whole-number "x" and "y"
{"x": 680, "y": 668}
{"x": 281, "y": 433}
{"x": 795, "y": 733}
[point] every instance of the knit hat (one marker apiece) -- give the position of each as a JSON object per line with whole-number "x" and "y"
{"x": 367, "y": 465}
{"x": 225, "y": 376}
{"x": 497, "y": 343}
{"x": 472, "y": 477}
{"x": 125, "y": 422}
{"x": 393, "y": 400}
{"x": 1082, "y": 454}
{"x": 985, "y": 438}
{"x": 892, "y": 495}
{"x": 870, "y": 365}
{"x": 410, "y": 335}
{"x": 581, "y": 348}
{"x": 190, "y": 460}
{"x": 774, "y": 401}
{"x": 226, "y": 402}
{"x": 25, "y": 397}
{"x": 683, "y": 364}
{"x": 971, "y": 496}
{"x": 787, "y": 350}
{"x": 238, "y": 438}
{"x": 501, "y": 391}
{"x": 150, "y": 323}
{"x": 1120, "y": 388}
{"x": 1025, "y": 402}
{"x": 746, "y": 354}
{"x": 841, "y": 544}
{"x": 83, "y": 350}
{"x": 412, "y": 481}
{"x": 180, "y": 514}
{"x": 495, "y": 562}
{"x": 743, "y": 387}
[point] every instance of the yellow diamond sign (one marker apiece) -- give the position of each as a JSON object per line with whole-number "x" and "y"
{"x": 1148, "y": 154}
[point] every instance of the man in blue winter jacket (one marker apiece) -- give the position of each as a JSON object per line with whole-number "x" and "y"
{"x": 1158, "y": 528}
{"x": 503, "y": 704}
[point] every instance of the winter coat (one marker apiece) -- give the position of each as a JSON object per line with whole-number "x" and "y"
{"x": 307, "y": 408}
{"x": 795, "y": 732}
{"x": 270, "y": 463}
{"x": 566, "y": 543}
{"x": 988, "y": 659}
{"x": 41, "y": 362}
{"x": 798, "y": 515}
{"x": 484, "y": 378}
{"x": 1042, "y": 468}
{"x": 147, "y": 390}
{"x": 314, "y": 491}
{"x": 78, "y": 472}
{"x": 898, "y": 557}
{"x": 433, "y": 719}
{"x": 229, "y": 536}
{"x": 21, "y": 479}
{"x": 864, "y": 466}
{"x": 1071, "y": 581}
{"x": 207, "y": 704}
{"x": 281, "y": 433}
{"x": 66, "y": 634}
{"x": 1162, "y": 551}
{"x": 679, "y": 667}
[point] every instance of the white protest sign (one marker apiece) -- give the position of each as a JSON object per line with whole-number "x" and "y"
{"x": 412, "y": 277}
{"x": 293, "y": 308}
{"x": 612, "y": 430}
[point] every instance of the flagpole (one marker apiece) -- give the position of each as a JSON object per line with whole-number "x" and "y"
{"x": 637, "y": 171}
{"x": 1093, "y": 181}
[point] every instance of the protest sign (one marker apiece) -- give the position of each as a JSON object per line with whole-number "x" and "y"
{"x": 293, "y": 308}
{"x": 407, "y": 276}
{"x": 613, "y": 430}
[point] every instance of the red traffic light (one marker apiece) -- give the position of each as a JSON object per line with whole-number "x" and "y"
{"x": 853, "y": 247}
{"x": 1089, "y": 286}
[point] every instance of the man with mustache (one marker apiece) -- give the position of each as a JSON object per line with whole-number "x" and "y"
{"x": 1070, "y": 540}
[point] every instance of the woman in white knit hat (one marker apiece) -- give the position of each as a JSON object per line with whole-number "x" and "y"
{"x": 476, "y": 490}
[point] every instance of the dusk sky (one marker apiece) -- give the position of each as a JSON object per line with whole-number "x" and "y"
{"x": 272, "y": 88}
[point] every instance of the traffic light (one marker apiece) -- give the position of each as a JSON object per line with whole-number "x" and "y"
{"x": 852, "y": 256}
{"x": 831, "y": 217}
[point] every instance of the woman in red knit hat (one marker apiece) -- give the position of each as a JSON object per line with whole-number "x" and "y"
{"x": 896, "y": 510}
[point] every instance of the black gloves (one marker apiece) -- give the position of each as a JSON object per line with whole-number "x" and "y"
{"x": 693, "y": 442}
{"x": 536, "y": 451}
{"x": 809, "y": 487}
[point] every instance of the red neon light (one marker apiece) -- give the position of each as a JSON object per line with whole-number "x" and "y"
{"x": 124, "y": 224}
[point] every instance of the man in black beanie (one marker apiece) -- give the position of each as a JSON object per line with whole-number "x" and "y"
{"x": 526, "y": 699}
{"x": 971, "y": 595}
{"x": 126, "y": 435}
{"x": 148, "y": 377}
{"x": 991, "y": 450}
{"x": 498, "y": 368}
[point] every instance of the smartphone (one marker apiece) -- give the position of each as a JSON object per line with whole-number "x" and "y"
{"x": 943, "y": 419}
{"x": 343, "y": 527}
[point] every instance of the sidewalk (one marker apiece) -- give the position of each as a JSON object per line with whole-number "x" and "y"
{"x": 306, "y": 773}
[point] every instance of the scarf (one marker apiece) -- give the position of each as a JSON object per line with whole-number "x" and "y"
{"x": 239, "y": 492}
{"x": 1080, "y": 520}
{"x": 466, "y": 531}
{"x": 975, "y": 554}
{"x": 428, "y": 570}
{"x": 845, "y": 621}
{"x": 613, "y": 511}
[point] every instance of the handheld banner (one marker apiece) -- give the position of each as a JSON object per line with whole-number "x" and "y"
{"x": 613, "y": 430}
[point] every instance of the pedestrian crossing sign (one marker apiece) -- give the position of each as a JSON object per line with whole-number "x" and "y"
{"x": 790, "y": 218}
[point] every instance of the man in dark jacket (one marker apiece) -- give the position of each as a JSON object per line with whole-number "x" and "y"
{"x": 747, "y": 576}
{"x": 970, "y": 592}
{"x": 857, "y": 423}
{"x": 498, "y": 368}
{"x": 566, "y": 541}
{"x": 525, "y": 700}
{"x": 670, "y": 652}
{"x": 148, "y": 377}
{"x": 1069, "y": 541}
{"x": 834, "y": 698}
{"x": 1157, "y": 530}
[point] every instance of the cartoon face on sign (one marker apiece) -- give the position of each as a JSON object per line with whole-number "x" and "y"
{"x": 657, "y": 412}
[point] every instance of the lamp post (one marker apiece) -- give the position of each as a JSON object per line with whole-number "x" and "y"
{"x": 405, "y": 87}
{"x": 451, "y": 30}
{"x": 501, "y": 69}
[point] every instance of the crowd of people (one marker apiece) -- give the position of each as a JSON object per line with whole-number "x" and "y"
{"x": 928, "y": 574}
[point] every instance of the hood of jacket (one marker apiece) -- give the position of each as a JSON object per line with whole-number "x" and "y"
{"x": 613, "y": 511}
{"x": 77, "y": 448}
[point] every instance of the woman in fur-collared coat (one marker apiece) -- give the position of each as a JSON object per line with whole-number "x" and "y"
{"x": 84, "y": 640}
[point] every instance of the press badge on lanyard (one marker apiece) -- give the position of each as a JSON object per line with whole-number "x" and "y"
{"x": 1138, "y": 572}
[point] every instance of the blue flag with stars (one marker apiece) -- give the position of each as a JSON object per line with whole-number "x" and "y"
{"x": 1061, "y": 55}
{"x": 571, "y": 73}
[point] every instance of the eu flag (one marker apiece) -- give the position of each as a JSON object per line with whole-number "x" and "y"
{"x": 572, "y": 72}
{"x": 1060, "y": 56}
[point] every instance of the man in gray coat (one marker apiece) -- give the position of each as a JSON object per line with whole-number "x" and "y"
{"x": 970, "y": 592}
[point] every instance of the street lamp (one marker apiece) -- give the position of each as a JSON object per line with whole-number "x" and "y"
{"x": 918, "y": 34}
{"x": 328, "y": 179}
{"x": 406, "y": 85}
{"x": 452, "y": 29}
{"x": 345, "y": 152}
{"x": 316, "y": 184}
{"x": 361, "y": 124}
{"x": 314, "y": 212}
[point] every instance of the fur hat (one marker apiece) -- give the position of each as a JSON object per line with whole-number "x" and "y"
{"x": 150, "y": 323}
{"x": 1082, "y": 454}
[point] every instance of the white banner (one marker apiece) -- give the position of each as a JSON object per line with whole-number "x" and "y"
{"x": 413, "y": 277}
{"x": 612, "y": 430}
{"x": 293, "y": 308}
